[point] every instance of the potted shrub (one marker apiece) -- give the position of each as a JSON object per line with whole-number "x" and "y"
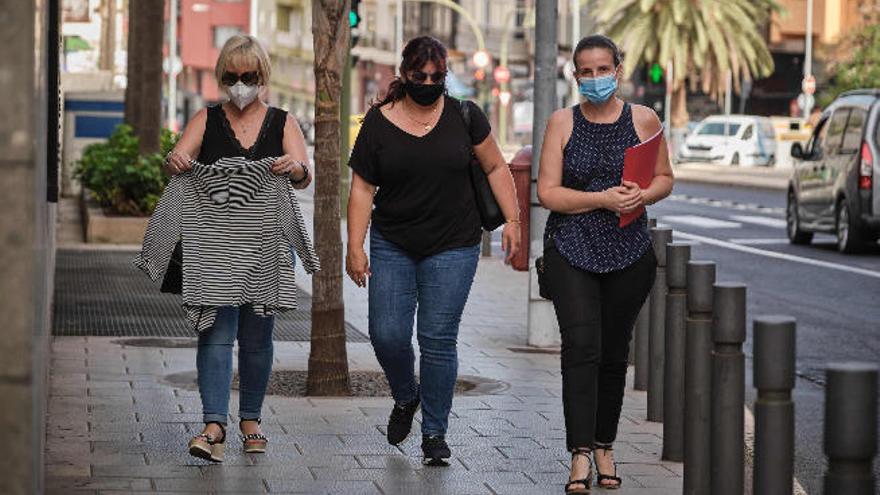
{"x": 120, "y": 186}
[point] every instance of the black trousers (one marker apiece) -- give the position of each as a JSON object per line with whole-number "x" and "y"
{"x": 596, "y": 314}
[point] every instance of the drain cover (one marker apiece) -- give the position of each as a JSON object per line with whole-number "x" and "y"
{"x": 100, "y": 293}
{"x": 292, "y": 383}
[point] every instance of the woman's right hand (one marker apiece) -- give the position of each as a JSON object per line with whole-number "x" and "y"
{"x": 177, "y": 162}
{"x": 620, "y": 199}
{"x": 357, "y": 266}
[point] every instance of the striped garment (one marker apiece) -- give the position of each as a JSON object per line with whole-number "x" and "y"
{"x": 237, "y": 222}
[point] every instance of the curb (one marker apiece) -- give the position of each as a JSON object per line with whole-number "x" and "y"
{"x": 761, "y": 178}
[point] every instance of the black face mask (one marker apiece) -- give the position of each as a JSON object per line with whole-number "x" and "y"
{"x": 424, "y": 94}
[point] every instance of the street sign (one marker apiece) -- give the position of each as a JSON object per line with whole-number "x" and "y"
{"x": 501, "y": 74}
{"x": 809, "y": 84}
{"x": 805, "y": 100}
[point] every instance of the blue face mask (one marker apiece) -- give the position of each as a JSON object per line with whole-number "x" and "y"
{"x": 599, "y": 89}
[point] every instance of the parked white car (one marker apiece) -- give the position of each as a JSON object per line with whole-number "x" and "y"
{"x": 739, "y": 140}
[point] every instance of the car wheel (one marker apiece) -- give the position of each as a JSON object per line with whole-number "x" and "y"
{"x": 734, "y": 160}
{"x": 849, "y": 239}
{"x": 793, "y": 224}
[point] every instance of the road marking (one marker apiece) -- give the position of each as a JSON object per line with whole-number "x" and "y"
{"x": 756, "y": 220}
{"x": 780, "y": 256}
{"x": 701, "y": 222}
{"x": 758, "y": 242}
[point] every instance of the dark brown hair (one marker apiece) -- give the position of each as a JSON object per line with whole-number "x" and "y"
{"x": 417, "y": 52}
{"x": 597, "y": 41}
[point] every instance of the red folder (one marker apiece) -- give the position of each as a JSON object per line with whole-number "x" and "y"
{"x": 639, "y": 162}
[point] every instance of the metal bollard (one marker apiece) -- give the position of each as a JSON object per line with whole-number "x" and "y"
{"x": 698, "y": 378}
{"x": 656, "y": 338}
{"x": 728, "y": 389}
{"x": 851, "y": 428}
{"x": 774, "y": 367}
{"x": 677, "y": 256}
{"x": 639, "y": 349}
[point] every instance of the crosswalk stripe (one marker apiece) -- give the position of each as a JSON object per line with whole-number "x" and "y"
{"x": 702, "y": 222}
{"x": 756, "y": 220}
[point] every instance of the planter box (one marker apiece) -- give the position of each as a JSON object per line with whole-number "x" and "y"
{"x": 112, "y": 229}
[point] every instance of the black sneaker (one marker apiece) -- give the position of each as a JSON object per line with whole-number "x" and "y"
{"x": 400, "y": 422}
{"x": 436, "y": 450}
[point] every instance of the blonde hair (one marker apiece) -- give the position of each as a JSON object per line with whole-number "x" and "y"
{"x": 243, "y": 49}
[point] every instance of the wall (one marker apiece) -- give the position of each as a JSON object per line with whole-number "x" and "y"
{"x": 26, "y": 246}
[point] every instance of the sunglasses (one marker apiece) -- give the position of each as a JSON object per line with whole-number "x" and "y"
{"x": 251, "y": 78}
{"x": 420, "y": 77}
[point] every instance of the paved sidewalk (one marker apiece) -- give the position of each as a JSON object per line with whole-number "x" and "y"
{"x": 116, "y": 426}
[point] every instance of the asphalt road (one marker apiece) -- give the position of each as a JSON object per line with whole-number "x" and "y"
{"x": 834, "y": 297}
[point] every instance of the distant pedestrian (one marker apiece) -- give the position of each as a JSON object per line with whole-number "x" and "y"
{"x": 245, "y": 127}
{"x": 411, "y": 160}
{"x": 598, "y": 273}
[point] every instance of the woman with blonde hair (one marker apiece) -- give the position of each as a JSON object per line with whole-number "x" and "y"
{"x": 244, "y": 126}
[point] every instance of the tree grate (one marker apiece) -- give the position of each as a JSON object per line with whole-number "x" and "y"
{"x": 102, "y": 294}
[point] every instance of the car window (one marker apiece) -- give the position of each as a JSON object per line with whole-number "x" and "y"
{"x": 718, "y": 129}
{"x": 852, "y": 137}
{"x": 814, "y": 146}
{"x": 747, "y": 134}
{"x": 835, "y": 131}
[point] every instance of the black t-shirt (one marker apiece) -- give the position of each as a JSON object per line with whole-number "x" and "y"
{"x": 425, "y": 202}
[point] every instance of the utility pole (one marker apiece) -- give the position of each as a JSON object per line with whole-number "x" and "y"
{"x": 543, "y": 329}
{"x": 808, "y": 58}
{"x": 398, "y": 32}
{"x": 575, "y": 38}
{"x": 172, "y": 65}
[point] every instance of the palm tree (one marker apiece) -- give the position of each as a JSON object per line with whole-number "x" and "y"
{"x": 703, "y": 41}
{"x": 143, "y": 94}
{"x": 328, "y": 362}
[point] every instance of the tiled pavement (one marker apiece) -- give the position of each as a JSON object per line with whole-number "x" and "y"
{"x": 116, "y": 427}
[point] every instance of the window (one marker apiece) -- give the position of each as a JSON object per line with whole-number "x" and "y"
{"x": 718, "y": 129}
{"x": 748, "y": 133}
{"x": 223, "y": 33}
{"x": 852, "y": 137}
{"x": 814, "y": 147}
{"x": 282, "y": 21}
{"x": 835, "y": 131}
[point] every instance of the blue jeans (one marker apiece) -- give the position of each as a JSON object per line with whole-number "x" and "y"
{"x": 439, "y": 285}
{"x": 214, "y": 362}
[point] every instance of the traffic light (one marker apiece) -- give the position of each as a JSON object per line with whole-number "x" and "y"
{"x": 655, "y": 73}
{"x": 354, "y": 19}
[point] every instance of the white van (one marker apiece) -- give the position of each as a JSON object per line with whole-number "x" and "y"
{"x": 738, "y": 140}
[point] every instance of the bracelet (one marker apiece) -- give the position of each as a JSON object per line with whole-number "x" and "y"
{"x": 512, "y": 221}
{"x": 306, "y": 176}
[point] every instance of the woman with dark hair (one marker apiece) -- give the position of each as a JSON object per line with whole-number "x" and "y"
{"x": 411, "y": 161}
{"x": 599, "y": 274}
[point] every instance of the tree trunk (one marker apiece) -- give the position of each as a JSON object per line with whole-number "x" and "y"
{"x": 134, "y": 65}
{"x": 328, "y": 360}
{"x": 151, "y": 94}
{"x": 108, "y": 35}
{"x": 143, "y": 95}
{"x": 679, "y": 115}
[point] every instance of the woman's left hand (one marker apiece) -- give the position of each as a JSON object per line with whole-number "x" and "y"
{"x": 288, "y": 166}
{"x": 638, "y": 198}
{"x": 510, "y": 240}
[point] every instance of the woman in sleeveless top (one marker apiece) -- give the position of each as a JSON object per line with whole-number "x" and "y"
{"x": 599, "y": 273}
{"x": 246, "y": 127}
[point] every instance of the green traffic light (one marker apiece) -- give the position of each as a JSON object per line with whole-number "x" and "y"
{"x": 352, "y": 18}
{"x": 656, "y": 73}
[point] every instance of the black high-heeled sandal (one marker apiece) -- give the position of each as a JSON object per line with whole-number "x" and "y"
{"x": 253, "y": 443}
{"x": 206, "y": 446}
{"x": 588, "y": 481}
{"x": 617, "y": 481}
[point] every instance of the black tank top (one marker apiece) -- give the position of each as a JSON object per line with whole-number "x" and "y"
{"x": 219, "y": 140}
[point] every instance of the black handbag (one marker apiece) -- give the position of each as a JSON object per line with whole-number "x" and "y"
{"x": 172, "y": 283}
{"x": 543, "y": 283}
{"x": 491, "y": 216}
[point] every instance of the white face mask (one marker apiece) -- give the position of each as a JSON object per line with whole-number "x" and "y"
{"x": 242, "y": 95}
